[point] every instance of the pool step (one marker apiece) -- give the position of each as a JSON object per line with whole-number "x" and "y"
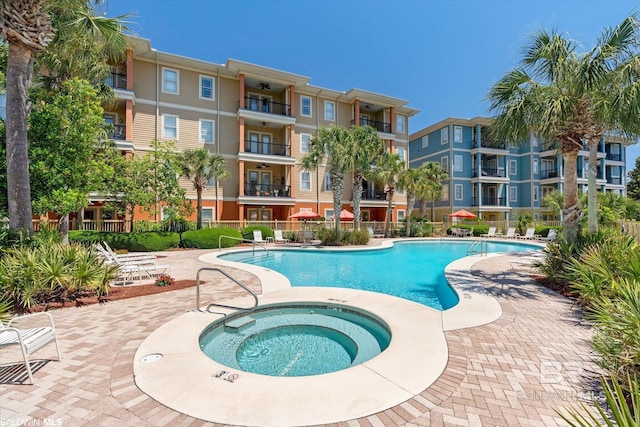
{"x": 237, "y": 324}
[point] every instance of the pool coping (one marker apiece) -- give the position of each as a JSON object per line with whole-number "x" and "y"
{"x": 415, "y": 359}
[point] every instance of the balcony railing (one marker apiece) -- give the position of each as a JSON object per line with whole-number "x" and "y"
{"x": 377, "y": 125}
{"x": 548, "y": 173}
{"x": 489, "y": 172}
{"x": 270, "y": 148}
{"x": 264, "y": 105}
{"x": 266, "y": 190}
{"x": 489, "y": 143}
{"x": 490, "y": 201}
{"x": 549, "y": 146}
{"x": 374, "y": 195}
{"x": 116, "y": 81}
{"x": 614, "y": 156}
{"x": 118, "y": 133}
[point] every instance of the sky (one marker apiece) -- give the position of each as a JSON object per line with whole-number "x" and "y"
{"x": 440, "y": 56}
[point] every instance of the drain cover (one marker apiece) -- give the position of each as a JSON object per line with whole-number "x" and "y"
{"x": 150, "y": 358}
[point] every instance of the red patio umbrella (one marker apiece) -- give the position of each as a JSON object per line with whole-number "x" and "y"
{"x": 305, "y": 215}
{"x": 345, "y": 215}
{"x": 463, "y": 214}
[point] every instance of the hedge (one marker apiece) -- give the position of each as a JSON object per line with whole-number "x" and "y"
{"x": 133, "y": 242}
{"x": 247, "y": 232}
{"x": 208, "y": 238}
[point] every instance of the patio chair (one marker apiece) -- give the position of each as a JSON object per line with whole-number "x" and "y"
{"x": 551, "y": 236}
{"x": 257, "y": 237}
{"x": 30, "y": 340}
{"x": 127, "y": 257}
{"x": 278, "y": 238}
{"x": 511, "y": 233}
{"x": 530, "y": 234}
{"x": 490, "y": 233}
{"x": 467, "y": 232}
{"x": 373, "y": 234}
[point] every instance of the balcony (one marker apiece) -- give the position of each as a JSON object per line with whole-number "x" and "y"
{"x": 264, "y": 105}
{"x": 118, "y": 133}
{"x": 372, "y": 194}
{"x": 490, "y": 201}
{"x": 616, "y": 157}
{"x": 549, "y": 146}
{"x": 116, "y": 81}
{"x": 500, "y": 172}
{"x": 266, "y": 190}
{"x": 615, "y": 180}
{"x": 548, "y": 173}
{"x": 377, "y": 125}
{"x": 268, "y": 148}
{"x": 489, "y": 143}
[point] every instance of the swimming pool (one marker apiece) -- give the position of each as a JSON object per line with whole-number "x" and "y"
{"x": 412, "y": 270}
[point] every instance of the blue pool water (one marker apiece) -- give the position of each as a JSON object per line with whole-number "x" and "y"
{"x": 294, "y": 341}
{"x": 413, "y": 270}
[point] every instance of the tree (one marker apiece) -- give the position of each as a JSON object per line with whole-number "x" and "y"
{"x": 633, "y": 186}
{"x": 366, "y": 146}
{"x": 64, "y": 127}
{"x": 411, "y": 180}
{"x": 333, "y": 141}
{"x": 432, "y": 190}
{"x": 28, "y": 27}
{"x": 200, "y": 166}
{"x": 554, "y": 201}
{"x": 387, "y": 171}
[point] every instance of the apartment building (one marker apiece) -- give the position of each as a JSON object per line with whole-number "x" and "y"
{"x": 259, "y": 119}
{"x": 496, "y": 180}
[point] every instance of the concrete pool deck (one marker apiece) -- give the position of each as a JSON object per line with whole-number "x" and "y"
{"x": 517, "y": 370}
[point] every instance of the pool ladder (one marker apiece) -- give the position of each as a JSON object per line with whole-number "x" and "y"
{"x": 478, "y": 247}
{"x": 234, "y": 280}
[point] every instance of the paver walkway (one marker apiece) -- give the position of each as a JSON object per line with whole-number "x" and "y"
{"x": 517, "y": 370}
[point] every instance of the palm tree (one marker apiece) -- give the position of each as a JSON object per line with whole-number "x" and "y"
{"x": 554, "y": 201}
{"x": 366, "y": 146}
{"x": 28, "y": 27}
{"x": 198, "y": 165}
{"x": 411, "y": 180}
{"x": 432, "y": 190}
{"x": 334, "y": 142}
{"x": 387, "y": 170}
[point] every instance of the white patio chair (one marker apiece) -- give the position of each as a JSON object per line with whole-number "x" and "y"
{"x": 257, "y": 237}
{"x": 373, "y": 234}
{"x": 551, "y": 236}
{"x": 128, "y": 257}
{"x": 490, "y": 233}
{"x": 530, "y": 234}
{"x": 511, "y": 233}
{"x": 278, "y": 238}
{"x": 30, "y": 340}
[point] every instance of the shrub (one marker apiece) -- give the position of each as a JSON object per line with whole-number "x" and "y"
{"x": 247, "y": 232}
{"x": 359, "y": 237}
{"x": 165, "y": 280}
{"x": 329, "y": 237}
{"x": 134, "y": 242}
{"x": 208, "y": 238}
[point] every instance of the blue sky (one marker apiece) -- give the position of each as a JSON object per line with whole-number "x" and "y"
{"x": 441, "y": 56}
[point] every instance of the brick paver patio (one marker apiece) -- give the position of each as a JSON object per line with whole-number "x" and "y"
{"x": 518, "y": 370}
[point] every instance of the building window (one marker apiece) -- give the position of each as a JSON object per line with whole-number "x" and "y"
{"x": 536, "y": 193}
{"x": 328, "y": 213}
{"x": 206, "y": 87}
{"x": 169, "y": 126}
{"x": 305, "y": 140}
{"x": 207, "y": 215}
{"x": 444, "y": 136}
{"x": 326, "y": 185}
{"x": 400, "y": 124}
{"x": 305, "y": 181}
{"x": 444, "y": 162}
{"x": 513, "y": 167}
{"x": 445, "y": 193}
{"x": 170, "y": 80}
{"x": 401, "y": 215}
{"x": 458, "y": 191}
{"x": 457, "y": 163}
{"x": 401, "y": 153}
{"x": 457, "y": 134}
{"x": 513, "y": 194}
{"x": 425, "y": 141}
{"x": 206, "y": 131}
{"x": 535, "y": 165}
{"x": 329, "y": 111}
{"x": 305, "y": 106}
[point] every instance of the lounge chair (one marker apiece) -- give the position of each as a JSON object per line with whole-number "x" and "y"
{"x": 373, "y": 234}
{"x": 128, "y": 257}
{"x": 30, "y": 340}
{"x": 553, "y": 234}
{"x": 129, "y": 269}
{"x": 511, "y": 233}
{"x": 530, "y": 234}
{"x": 278, "y": 238}
{"x": 491, "y": 233}
{"x": 257, "y": 237}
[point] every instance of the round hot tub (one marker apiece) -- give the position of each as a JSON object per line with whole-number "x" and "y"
{"x": 296, "y": 340}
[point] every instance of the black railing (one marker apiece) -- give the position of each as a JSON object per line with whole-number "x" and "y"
{"x": 116, "y": 81}
{"x": 549, "y": 146}
{"x": 489, "y": 143}
{"x": 614, "y": 156}
{"x": 264, "y": 105}
{"x": 118, "y": 133}
{"x": 548, "y": 173}
{"x": 489, "y": 172}
{"x": 266, "y": 190}
{"x": 269, "y": 148}
{"x": 490, "y": 201}
{"x": 374, "y": 195}
{"x": 377, "y": 125}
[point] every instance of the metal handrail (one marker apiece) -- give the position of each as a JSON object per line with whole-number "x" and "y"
{"x": 243, "y": 240}
{"x": 255, "y": 297}
{"x": 483, "y": 247}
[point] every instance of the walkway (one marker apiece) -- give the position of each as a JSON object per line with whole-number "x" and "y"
{"x": 517, "y": 370}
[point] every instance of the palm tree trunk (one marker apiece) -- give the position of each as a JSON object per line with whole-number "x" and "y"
{"x": 337, "y": 186}
{"x": 387, "y": 221}
{"x": 423, "y": 208}
{"x": 19, "y": 68}
{"x": 357, "y": 197}
{"x": 433, "y": 211}
{"x": 411, "y": 200}
{"x": 63, "y": 228}
{"x": 571, "y": 212}
{"x": 592, "y": 193}
{"x": 199, "y": 208}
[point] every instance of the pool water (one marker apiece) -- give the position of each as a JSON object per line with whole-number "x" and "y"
{"x": 296, "y": 341}
{"x": 413, "y": 270}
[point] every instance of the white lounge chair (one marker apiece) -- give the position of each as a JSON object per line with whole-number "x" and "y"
{"x": 128, "y": 257}
{"x": 490, "y": 233}
{"x": 373, "y": 234}
{"x": 511, "y": 233}
{"x": 530, "y": 234}
{"x": 30, "y": 340}
{"x": 553, "y": 234}
{"x": 278, "y": 238}
{"x": 257, "y": 237}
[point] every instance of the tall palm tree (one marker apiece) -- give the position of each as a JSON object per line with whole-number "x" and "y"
{"x": 366, "y": 146}
{"x": 198, "y": 165}
{"x": 29, "y": 27}
{"x": 411, "y": 180}
{"x": 334, "y": 142}
{"x": 554, "y": 201}
{"x": 387, "y": 170}
{"x": 432, "y": 190}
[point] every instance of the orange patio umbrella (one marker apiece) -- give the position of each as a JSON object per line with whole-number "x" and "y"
{"x": 463, "y": 214}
